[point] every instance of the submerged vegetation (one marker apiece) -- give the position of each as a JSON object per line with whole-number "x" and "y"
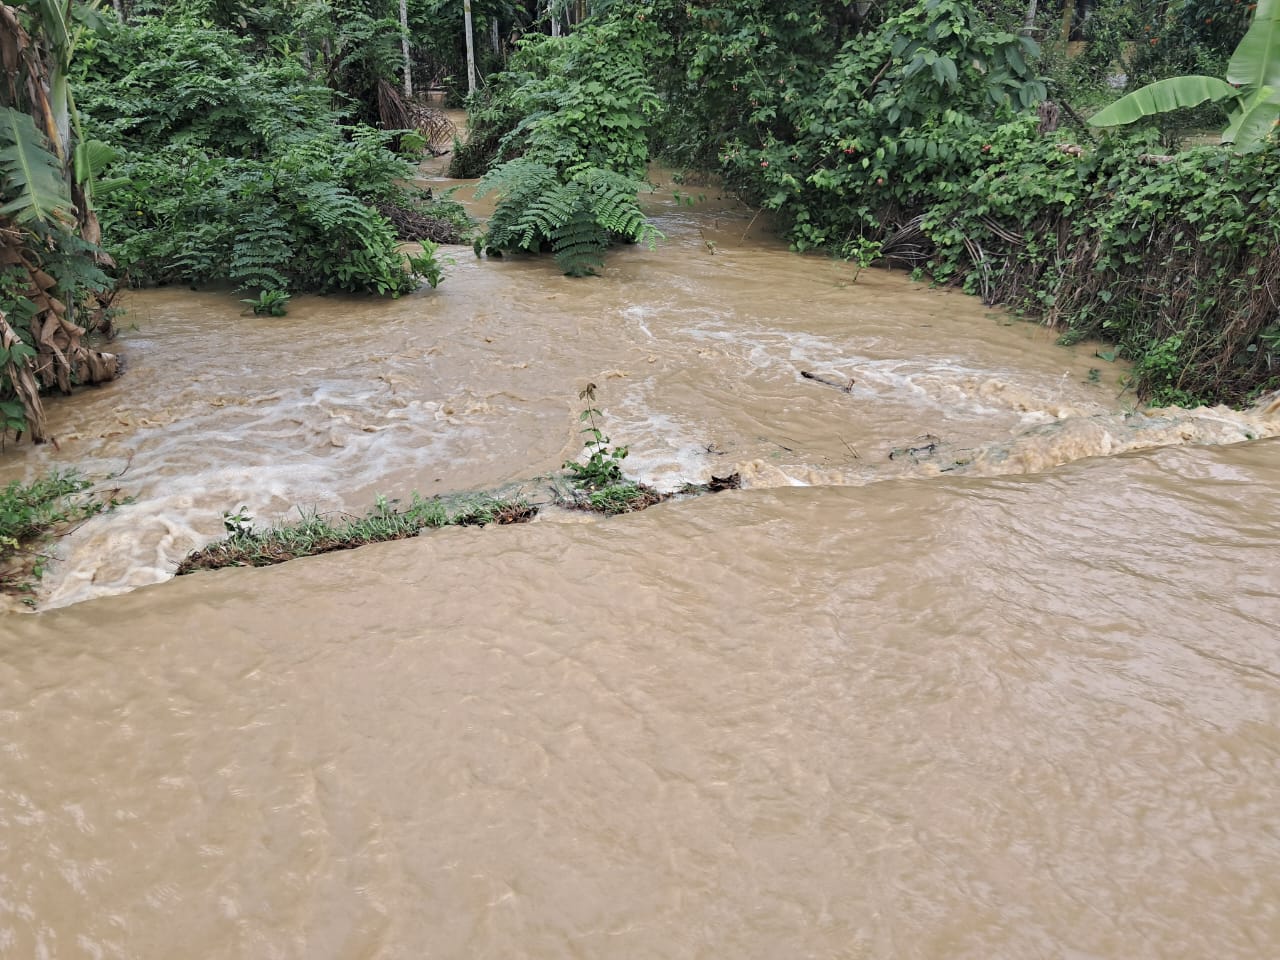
{"x": 32, "y": 512}
{"x": 597, "y": 486}
{"x": 314, "y": 533}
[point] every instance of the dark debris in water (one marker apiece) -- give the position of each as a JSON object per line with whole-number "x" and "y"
{"x": 842, "y": 386}
{"x": 411, "y": 224}
{"x": 923, "y": 447}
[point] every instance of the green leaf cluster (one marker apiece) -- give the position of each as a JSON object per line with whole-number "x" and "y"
{"x": 1175, "y": 262}
{"x": 1252, "y": 81}
{"x": 573, "y": 162}
{"x": 234, "y": 167}
{"x": 881, "y": 126}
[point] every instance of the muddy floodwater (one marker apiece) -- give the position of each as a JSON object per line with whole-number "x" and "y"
{"x": 983, "y": 660}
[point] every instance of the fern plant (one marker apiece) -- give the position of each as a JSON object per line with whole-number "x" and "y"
{"x": 575, "y": 161}
{"x": 238, "y": 168}
{"x": 575, "y": 218}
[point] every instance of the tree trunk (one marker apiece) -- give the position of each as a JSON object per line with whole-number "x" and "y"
{"x": 555, "y": 20}
{"x": 471, "y": 46}
{"x": 1029, "y": 25}
{"x": 404, "y": 47}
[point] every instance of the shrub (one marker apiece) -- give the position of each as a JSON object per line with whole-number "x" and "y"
{"x": 237, "y": 168}
{"x": 573, "y": 163}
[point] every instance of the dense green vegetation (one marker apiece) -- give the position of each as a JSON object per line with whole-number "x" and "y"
{"x": 208, "y": 141}
{"x": 580, "y": 109}
{"x": 235, "y": 168}
{"x": 263, "y": 144}
{"x": 912, "y": 133}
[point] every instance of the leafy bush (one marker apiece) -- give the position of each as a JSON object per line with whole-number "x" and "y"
{"x": 237, "y": 168}
{"x": 1175, "y": 261}
{"x": 573, "y": 163}
{"x": 886, "y": 129}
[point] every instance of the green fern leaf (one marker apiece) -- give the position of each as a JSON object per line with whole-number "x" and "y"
{"x": 579, "y": 245}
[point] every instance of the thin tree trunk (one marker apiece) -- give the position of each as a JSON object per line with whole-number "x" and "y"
{"x": 555, "y": 20}
{"x": 494, "y": 38}
{"x": 471, "y": 46}
{"x": 1029, "y": 25}
{"x": 404, "y": 47}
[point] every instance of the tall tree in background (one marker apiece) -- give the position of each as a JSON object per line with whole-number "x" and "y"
{"x": 471, "y": 46}
{"x": 404, "y": 47}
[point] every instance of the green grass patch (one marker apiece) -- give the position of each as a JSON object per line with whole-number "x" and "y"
{"x": 317, "y": 533}
{"x": 31, "y": 513}
{"x": 625, "y": 496}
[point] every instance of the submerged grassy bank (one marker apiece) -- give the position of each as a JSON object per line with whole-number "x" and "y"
{"x": 314, "y": 533}
{"x": 32, "y": 513}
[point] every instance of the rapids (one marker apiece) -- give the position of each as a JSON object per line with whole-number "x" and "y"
{"x": 981, "y": 662}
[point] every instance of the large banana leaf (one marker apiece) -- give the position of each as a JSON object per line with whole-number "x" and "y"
{"x": 1254, "y": 121}
{"x": 92, "y": 157}
{"x": 1256, "y": 61}
{"x": 31, "y": 178}
{"x": 1161, "y": 97}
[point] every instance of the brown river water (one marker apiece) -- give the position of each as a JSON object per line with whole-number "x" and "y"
{"x": 981, "y": 662}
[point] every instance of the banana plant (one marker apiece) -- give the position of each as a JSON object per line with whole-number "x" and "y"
{"x": 40, "y": 62}
{"x": 32, "y": 178}
{"x": 1253, "y": 81}
{"x": 45, "y": 192}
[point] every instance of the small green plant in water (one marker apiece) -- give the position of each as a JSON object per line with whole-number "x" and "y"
{"x": 271, "y": 303}
{"x": 604, "y": 463}
{"x": 238, "y": 524}
{"x": 599, "y": 484}
{"x": 426, "y": 265}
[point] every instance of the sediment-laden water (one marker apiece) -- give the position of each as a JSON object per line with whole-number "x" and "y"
{"x": 981, "y": 663}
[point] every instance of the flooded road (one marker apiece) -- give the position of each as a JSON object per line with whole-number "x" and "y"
{"x": 980, "y": 663}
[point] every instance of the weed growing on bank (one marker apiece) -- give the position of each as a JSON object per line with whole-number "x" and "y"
{"x": 599, "y": 484}
{"x": 31, "y": 512}
{"x": 316, "y": 533}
